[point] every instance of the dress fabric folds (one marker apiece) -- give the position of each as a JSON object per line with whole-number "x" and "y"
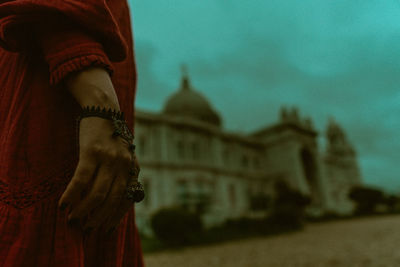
{"x": 94, "y": 16}
{"x": 41, "y": 43}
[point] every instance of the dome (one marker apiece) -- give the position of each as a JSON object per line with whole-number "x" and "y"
{"x": 189, "y": 103}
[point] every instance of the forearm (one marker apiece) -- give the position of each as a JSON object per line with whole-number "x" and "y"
{"x": 93, "y": 86}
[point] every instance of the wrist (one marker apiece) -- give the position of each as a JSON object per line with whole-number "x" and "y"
{"x": 93, "y": 87}
{"x": 95, "y": 97}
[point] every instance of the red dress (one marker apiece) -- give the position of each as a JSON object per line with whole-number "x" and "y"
{"x": 41, "y": 42}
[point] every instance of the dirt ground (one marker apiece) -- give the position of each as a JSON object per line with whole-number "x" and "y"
{"x": 354, "y": 243}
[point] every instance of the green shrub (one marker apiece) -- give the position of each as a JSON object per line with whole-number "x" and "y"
{"x": 366, "y": 199}
{"x": 176, "y": 226}
{"x": 393, "y": 203}
{"x": 327, "y": 216}
{"x": 288, "y": 209}
{"x": 245, "y": 225}
{"x": 260, "y": 202}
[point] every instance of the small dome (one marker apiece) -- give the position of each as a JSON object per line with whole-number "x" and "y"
{"x": 189, "y": 103}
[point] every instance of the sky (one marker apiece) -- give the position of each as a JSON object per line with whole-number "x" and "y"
{"x": 336, "y": 59}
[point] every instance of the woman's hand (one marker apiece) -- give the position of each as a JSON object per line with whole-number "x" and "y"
{"x": 98, "y": 186}
{"x": 120, "y": 210}
{"x": 96, "y": 192}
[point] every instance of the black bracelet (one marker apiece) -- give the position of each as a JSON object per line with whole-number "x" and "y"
{"x": 110, "y": 114}
{"x": 135, "y": 190}
{"x": 117, "y": 117}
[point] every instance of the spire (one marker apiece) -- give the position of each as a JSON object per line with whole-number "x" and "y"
{"x": 185, "y": 85}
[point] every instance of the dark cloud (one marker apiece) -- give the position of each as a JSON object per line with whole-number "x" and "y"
{"x": 329, "y": 58}
{"x": 361, "y": 99}
{"x": 151, "y": 88}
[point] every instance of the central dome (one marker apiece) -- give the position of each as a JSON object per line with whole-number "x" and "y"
{"x": 189, "y": 103}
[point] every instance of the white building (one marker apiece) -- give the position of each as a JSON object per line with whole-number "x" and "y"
{"x": 188, "y": 159}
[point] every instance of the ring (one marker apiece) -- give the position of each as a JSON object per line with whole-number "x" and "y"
{"x": 132, "y": 147}
{"x": 135, "y": 192}
{"x": 132, "y": 172}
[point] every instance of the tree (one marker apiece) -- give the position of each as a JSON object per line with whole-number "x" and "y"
{"x": 289, "y": 206}
{"x": 176, "y": 226}
{"x": 366, "y": 199}
{"x": 260, "y": 202}
{"x": 393, "y": 203}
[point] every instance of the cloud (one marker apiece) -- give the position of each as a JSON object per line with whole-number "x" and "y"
{"x": 249, "y": 88}
{"x": 151, "y": 91}
{"x": 330, "y": 58}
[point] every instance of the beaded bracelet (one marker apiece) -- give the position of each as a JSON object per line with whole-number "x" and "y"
{"x": 117, "y": 117}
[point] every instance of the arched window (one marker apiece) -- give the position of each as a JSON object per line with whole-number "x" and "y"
{"x": 309, "y": 170}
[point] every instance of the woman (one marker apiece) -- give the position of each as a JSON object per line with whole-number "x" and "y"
{"x": 61, "y": 184}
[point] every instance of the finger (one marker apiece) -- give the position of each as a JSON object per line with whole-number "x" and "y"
{"x": 119, "y": 213}
{"x": 136, "y": 166}
{"x": 112, "y": 202}
{"x": 97, "y": 193}
{"x": 84, "y": 173}
{"x": 118, "y": 187}
{"x": 120, "y": 208}
{"x": 125, "y": 204}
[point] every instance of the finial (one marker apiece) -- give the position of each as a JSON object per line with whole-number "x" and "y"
{"x": 294, "y": 114}
{"x": 185, "y": 78}
{"x": 184, "y": 70}
{"x": 308, "y": 123}
{"x": 284, "y": 114}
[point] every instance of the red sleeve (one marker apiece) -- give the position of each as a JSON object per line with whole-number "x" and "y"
{"x": 67, "y": 50}
{"x": 93, "y": 17}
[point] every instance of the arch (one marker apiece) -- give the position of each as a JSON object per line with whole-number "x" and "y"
{"x": 310, "y": 174}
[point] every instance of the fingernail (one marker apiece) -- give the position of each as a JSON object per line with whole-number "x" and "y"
{"x": 73, "y": 222}
{"x": 88, "y": 230}
{"x": 63, "y": 206}
{"x": 111, "y": 231}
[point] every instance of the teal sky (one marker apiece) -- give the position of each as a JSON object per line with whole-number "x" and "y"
{"x": 329, "y": 58}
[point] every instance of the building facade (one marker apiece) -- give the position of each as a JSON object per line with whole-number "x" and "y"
{"x": 187, "y": 159}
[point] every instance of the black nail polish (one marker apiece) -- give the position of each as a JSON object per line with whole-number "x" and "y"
{"x": 63, "y": 206}
{"x": 111, "y": 231}
{"x": 73, "y": 222}
{"x": 88, "y": 230}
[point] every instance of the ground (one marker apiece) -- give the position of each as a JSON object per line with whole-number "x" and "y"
{"x": 364, "y": 242}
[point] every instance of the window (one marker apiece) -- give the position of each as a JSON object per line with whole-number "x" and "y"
{"x": 156, "y": 142}
{"x": 195, "y": 151}
{"x": 182, "y": 193}
{"x": 202, "y": 197}
{"x": 225, "y": 157}
{"x": 147, "y": 191}
{"x": 142, "y": 146}
{"x": 245, "y": 161}
{"x": 256, "y": 163}
{"x": 232, "y": 195}
{"x": 180, "y": 148}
